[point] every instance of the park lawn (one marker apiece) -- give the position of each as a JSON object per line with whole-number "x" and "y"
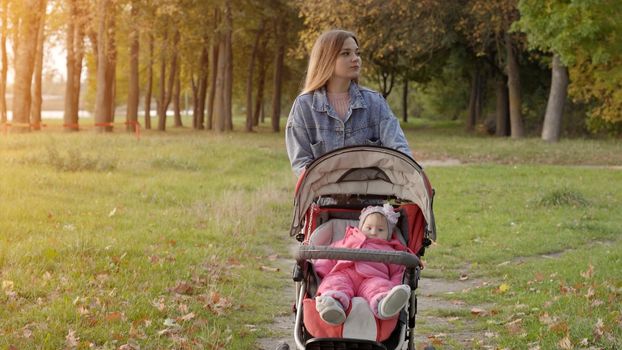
{"x": 159, "y": 243}
{"x": 545, "y": 242}
{"x": 169, "y": 241}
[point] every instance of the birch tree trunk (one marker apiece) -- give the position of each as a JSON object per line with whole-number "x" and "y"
{"x": 516, "y": 118}
{"x": 551, "y": 129}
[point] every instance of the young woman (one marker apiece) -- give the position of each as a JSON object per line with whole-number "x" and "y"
{"x": 333, "y": 111}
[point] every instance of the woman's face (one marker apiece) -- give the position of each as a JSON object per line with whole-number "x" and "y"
{"x": 348, "y": 65}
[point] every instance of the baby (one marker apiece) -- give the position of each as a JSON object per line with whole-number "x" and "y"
{"x": 378, "y": 283}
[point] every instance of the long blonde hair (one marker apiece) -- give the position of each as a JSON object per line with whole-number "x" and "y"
{"x": 323, "y": 57}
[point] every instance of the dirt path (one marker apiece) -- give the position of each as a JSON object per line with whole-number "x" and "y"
{"x": 442, "y": 320}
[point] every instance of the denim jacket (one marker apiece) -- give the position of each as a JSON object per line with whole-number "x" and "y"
{"x": 313, "y": 127}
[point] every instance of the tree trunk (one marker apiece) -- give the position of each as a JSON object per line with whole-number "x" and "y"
{"x": 105, "y": 67}
{"x": 405, "y": 101}
{"x": 70, "y": 120}
{"x": 263, "y": 67}
{"x": 551, "y": 129}
{"x": 24, "y": 67}
{"x": 5, "y": 62}
{"x": 177, "y": 101}
{"x": 229, "y": 67}
{"x": 37, "y": 99}
{"x": 201, "y": 91}
{"x": 149, "y": 89}
{"x": 133, "y": 95}
{"x": 211, "y": 99}
{"x": 475, "y": 100}
{"x": 516, "y": 118}
{"x": 249, "y": 79}
{"x": 278, "y": 77}
{"x": 166, "y": 88}
{"x": 219, "y": 103}
{"x": 502, "y": 127}
{"x": 223, "y": 88}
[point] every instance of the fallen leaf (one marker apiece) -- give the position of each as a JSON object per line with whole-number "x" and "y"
{"x": 183, "y": 288}
{"x": 559, "y": 327}
{"x": 7, "y": 285}
{"x": 590, "y": 293}
{"x": 588, "y": 273}
{"x": 114, "y": 316}
{"x": 112, "y": 212}
{"x": 268, "y": 268}
{"x": 187, "y": 317}
{"x": 169, "y": 322}
{"x": 546, "y": 319}
{"x": 71, "y": 340}
{"x": 464, "y": 277}
{"x": 159, "y": 304}
{"x": 515, "y": 327}
{"x": 477, "y": 311}
{"x": 504, "y": 287}
{"x": 565, "y": 343}
{"x": 599, "y": 329}
{"x": 597, "y": 303}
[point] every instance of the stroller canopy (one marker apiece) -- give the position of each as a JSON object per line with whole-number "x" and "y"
{"x": 364, "y": 170}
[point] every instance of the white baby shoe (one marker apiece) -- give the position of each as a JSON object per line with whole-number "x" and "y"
{"x": 330, "y": 310}
{"x": 394, "y": 302}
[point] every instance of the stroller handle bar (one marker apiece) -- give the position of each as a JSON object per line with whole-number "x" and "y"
{"x": 307, "y": 252}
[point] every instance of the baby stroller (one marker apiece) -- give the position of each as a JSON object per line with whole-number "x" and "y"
{"x": 329, "y": 196}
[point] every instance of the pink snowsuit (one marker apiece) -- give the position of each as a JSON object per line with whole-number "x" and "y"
{"x": 343, "y": 279}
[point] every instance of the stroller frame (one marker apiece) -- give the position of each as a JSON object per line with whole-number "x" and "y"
{"x": 355, "y": 177}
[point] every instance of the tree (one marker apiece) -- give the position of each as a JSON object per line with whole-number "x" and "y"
{"x": 587, "y": 38}
{"x": 37, "y": 99}
{"x": 76, "y": 22}
{"x": 167, "y": 50}
{"x": 106, "y": 66}
{"x": 222, "y": 98}
{"x": 551, "y": 129}
{"x": 25, "y": 60}
{"x": 133, "y": 96}
{"x": 5, "y": 61}
{"x": 249, "y": 79}
{"x": 278, "y": 75}
{"x": 149, "y": 88}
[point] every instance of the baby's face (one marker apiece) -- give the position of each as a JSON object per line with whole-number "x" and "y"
{"x": 375, "y": 226}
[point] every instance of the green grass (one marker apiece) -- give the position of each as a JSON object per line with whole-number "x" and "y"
{"x": 158, "y": 242}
